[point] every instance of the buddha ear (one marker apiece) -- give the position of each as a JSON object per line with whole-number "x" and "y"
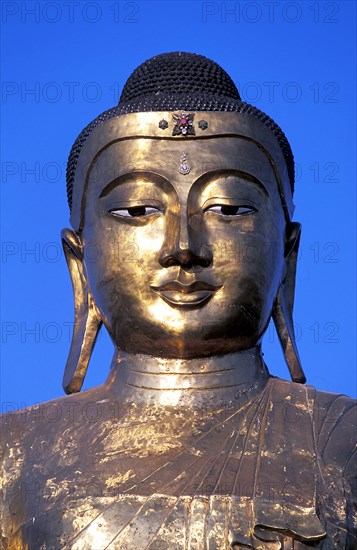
{"x": 284, "y": 304}
{"x": 87, "y": 321}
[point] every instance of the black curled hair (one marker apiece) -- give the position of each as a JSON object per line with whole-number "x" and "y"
{"x": 178, "y": 81}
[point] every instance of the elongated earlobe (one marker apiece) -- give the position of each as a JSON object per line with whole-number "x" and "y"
{"x": 87, "y": 320}
{"x": 284, "y": 304}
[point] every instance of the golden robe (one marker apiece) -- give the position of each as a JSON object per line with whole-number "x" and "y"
{"x": 276, "y": 472}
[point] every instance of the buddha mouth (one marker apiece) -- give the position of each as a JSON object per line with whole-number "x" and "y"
{"x": 177, "y": 294}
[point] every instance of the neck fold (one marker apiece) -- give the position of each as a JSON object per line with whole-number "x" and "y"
{"x": 215, "y": 380}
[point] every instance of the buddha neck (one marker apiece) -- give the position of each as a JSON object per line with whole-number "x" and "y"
{"x": 195, "y": 382}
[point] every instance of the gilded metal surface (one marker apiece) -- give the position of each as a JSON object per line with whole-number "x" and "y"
{"x": 264, "y": 470}
{"x": 189, "y": 444}
{"x": 145, "y": 125}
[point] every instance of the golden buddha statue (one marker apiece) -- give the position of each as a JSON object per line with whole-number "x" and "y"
{"x": 183, "y": 246}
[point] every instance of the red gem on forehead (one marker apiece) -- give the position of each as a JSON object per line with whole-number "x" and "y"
{"x": 183, "y": 121}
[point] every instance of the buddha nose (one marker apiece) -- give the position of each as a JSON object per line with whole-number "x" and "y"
{"x": 185, "y": 257}
{"x": 183, "y": 246}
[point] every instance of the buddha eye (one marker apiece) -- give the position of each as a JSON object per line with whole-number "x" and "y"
{"x": 135, "y": 211}
{"x": 231, "y": 210}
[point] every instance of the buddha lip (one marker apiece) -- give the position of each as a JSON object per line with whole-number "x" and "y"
{"x": 189, "y": 296}
{"x": 176, "y": 286}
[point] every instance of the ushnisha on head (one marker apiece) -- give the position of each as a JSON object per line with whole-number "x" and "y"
{"x": 181, "y": 205}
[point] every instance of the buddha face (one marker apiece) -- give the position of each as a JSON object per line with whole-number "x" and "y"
{"x": 183, "y": 244}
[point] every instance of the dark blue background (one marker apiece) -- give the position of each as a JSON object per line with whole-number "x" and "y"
{"x": 65, "y": 62}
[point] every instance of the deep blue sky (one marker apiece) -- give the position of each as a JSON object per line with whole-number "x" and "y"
{"x": 66, "y": 62}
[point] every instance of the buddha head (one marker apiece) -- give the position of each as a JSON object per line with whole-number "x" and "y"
{"x": 181, "y": 205}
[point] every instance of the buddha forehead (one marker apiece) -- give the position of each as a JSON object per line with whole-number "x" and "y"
{"x": 131, "y": 145}
{"x": 181, "y": 163}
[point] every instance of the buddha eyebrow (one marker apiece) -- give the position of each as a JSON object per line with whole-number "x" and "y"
{"x": 226, "y": 173}
{"x": 132, "y": 177}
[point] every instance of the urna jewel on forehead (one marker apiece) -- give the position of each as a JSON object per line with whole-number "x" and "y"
{"x": 178, "y": 85}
